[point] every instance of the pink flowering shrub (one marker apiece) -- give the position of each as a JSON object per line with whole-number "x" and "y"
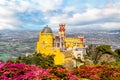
{"x": 22, "y": 71}
{"x": 63, "y": 74}
{"x": 98, "y": 73}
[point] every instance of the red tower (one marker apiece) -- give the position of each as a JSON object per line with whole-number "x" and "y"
{"x": 62, "y": 35}
{"x": 82, "y": 39}
{"x": 62, "y": 29}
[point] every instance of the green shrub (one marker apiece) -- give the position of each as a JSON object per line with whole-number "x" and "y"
{"x": 36, "y": 59}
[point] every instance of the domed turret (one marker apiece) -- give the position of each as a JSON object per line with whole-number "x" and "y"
{"x": 47, "y": 30}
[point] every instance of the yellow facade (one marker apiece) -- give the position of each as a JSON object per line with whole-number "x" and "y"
{"x": 45, "y": 43}
{"x": 45, "y": 46}
{"x": 50, "y": 44}
{"x": 71, "y": 42}
{"x": 59, "y": 58}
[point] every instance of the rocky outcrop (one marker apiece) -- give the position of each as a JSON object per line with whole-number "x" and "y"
{"x": 107, "y": 58}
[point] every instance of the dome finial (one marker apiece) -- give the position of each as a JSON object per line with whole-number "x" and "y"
{"x": 46, "y": 25}
{"x": 47, "y": 29}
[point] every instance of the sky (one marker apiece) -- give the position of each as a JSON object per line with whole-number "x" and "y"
{"x": 76, "y": 14}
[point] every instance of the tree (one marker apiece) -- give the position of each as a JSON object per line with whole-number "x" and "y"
{"x": 37, "y": 59}
{"x": 90, "y": 50}
{"x": 95, "y": 52}
{"x": 117, "y": 51}
{"x": 104, "y": 49}
{"x": 92, "y": 53}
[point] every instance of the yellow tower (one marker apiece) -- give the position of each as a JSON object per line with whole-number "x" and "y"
{"x": 45, "y": 43}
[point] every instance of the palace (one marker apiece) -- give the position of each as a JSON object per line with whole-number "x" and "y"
{"x": 58, "y": 44}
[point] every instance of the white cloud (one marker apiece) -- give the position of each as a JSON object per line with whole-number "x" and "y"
{"x": 110, "y": 25}
{"x": 97, "y": 26}
{"x": 46, "y": 5}
{"x": 9, "y": 9}
{"x": 7, "y": 19}
{"x": 14, "y": 5}
{"x": 91, "y": 16}
{"x": 106, "y": 17}
{"x": 70, "y": 9}
{"x": 7, "y": 26}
